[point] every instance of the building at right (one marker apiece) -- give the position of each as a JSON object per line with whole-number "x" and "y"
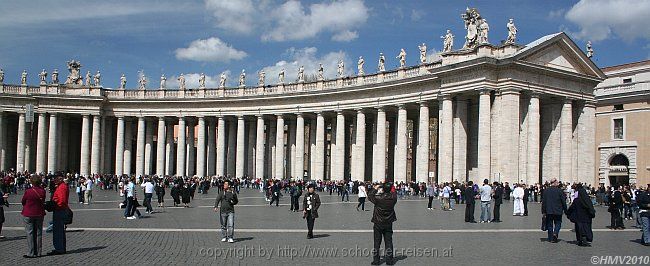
{"x": 623, "y": 125}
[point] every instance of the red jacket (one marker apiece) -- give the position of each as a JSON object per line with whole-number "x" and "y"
{"x": 61, "y": 196}
{"x": 34, "y": 202}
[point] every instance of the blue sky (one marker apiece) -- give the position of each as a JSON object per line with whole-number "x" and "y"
{"x": 215, "y": 36}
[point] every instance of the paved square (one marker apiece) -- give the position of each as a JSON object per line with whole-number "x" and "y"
{"x": 274, "y": 235}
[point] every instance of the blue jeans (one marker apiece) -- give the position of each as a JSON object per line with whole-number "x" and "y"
{"x": 485, "y": 211}
{"x": 645, "y": 221}
{"x": 227, "y": 220}
{"x": 553, "y": 225}
{"x": 58, "y": 237}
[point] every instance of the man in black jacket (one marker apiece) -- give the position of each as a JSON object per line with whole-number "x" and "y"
{"x": 228, "y": 199}
{"x": 310, "y": 205}
{"x": 383, "y": 217}
{"x": 470, "y": 196}
{"x": 553, "y": 206}
{"x": 643, "y": 200}
{"x": 498, "y": 199}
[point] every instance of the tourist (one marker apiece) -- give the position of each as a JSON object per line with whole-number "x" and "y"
{"x": 33, "y": 202}
{"x": 526, "y": 198}
{"x": 383, "y": 217}
{"x": 581, "y": 213}
{"x": 3, "y": 202}
{"x": 362, "y": 197}
{"x": 89, "y": 184}
{"x": 486, "y": 198}
{"x": 160, "y": 193}
{"x": 498, "y": 199}
{"x": 518, "y": 195}
{"x": 81, "y": 189}
{"x": 295, "y": 192}
{"x": 275, "y": 194}
{"x": 470, "y": 196}
{"x": 61, "y": 209}
{"x": 345, "y": 196}
{"x": 131, "y": 200}
{"x": 148, "y": 194}
{"x": 430, "y": 193}
{"x": 185, "y": 195}
{"x": 226, "y": 201}
{"x": 615, "y": 209}
{"x": 310, "y": 205}
{"x": 176, "y": 194}
{"x": 643, "y": 201}
{"x": 553, "y": 206}
{"x": 446, "y": 194}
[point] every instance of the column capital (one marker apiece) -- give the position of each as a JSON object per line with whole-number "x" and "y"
{"x": 534, "y": 94}
{"x": 424, "y": 104}
{"x": 380, "y": 108}
{"x": 401, "y": 106}
{"x": 359, "y": 110}
{"x": 566, "y": 100}
{"x": 445, "y": 97}
{"x": 510, "y": 91}
{"x": 299, "y": 114}
{"x": 161, "y": 118}
{"x": 484, "y": 91}
{"x": 240, "y": 117}
{"x": 339, "y": 112}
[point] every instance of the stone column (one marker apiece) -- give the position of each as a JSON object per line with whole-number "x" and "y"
{"x": 460, "y": 142}
{"x": 318, "y": 155}
{"x": 259, "y": 148}
{"x": 250, "y": 148}
{"x": 241, "y": 147}
{"x": 379, "y": 168}
{"x": 231, "y": 160}
{"x": 566, "y": 141}
{"x": 291, "y": 149}
{"x": 533, "y": 140}
{"x": 510, "y": 124}
{"x": 400, "y": 147}
{"x": 299, "y": 167}
{"x": 3, "y": 142}
{"x": 180, "y": 148}
{"x": 85, "y": 146}
{"x": 52, "y": 140}
{"x": 119, "y": 147}
{"x": 41, "y": 144}
{"x": 338, "y": 153}
{"x": 160, "y": 147}
{"x": 96, "y": 151}
{"x": 221, "y": 146}
{"x": 128, "y": 147}
{"x": 279, "y": 148}
{"x": 200, "y": 148}
{"x": 169, "y": 150}
{"x": 271, "y": 135}
{"x": 63, "y": 137}
{"x": 484, "y": 114}
{"x": 148, "y": 148}
{"x": 212, "y": 139}
{"x": 139, "y": 152}
{"x": 359, "y": 159}
{"x": 190, "y": 155}
{"x": 20, "y": 149}
{"x": 445, "y": 140}
{"x": 587, "y": 144}
{"x": 422, "y": 153}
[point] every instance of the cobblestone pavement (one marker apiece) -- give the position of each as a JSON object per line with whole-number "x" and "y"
{"x": 273, "y": 235}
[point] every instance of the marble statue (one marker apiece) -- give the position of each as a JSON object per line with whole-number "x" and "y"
{"x": 340, "y": 68}
{"x": 423, "y": 53}
{"x": 262, "y": 78}
{"x": 202, "y": 80}
{"x": 477, "y": 28}
{"x": 181, "y": 82}
{"x": 281, "y": 76}
{"x": 222, "y": 80}
{"x": 163, "y": 81}
{"x": 242, "y": 78}
{"x": 512, "y": 32}
{"x": 360, "y": 66}
{"x": 448, "y": 42}
{"x": 97, "y": 79}
{"x": 74, "y": 78}
{"x": 43, "y": 76}
{"x": 23, "y": 78}
{"x": 142, "y": 82}
{"x": 402, "y": 58}
{"x": 2, "y": 76}
{"x": 88, "y": 79}
{"x": 55, "y": 76}
{"x": 382, "y": 63}
{"x": 122, "y": 82}
{"x": 320, "y": 72}
{"x": 590, "y": 50}
{"x": 301, "y": 74}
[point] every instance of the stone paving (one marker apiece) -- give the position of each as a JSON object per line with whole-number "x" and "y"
{"x": 273, "y": 235}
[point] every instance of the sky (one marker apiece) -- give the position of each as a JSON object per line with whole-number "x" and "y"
{"x": 171, "y": 37}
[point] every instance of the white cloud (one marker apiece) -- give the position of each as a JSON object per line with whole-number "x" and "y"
{"x": 416, "y": 14}
{"x": 290, "y": 20}
{"x": 308, "y": 58}
{"x": 209, "y": 50}
{"x": 600, "y": 19}
{"x": 191, "y": 81}
{"x": 345, "y": 36}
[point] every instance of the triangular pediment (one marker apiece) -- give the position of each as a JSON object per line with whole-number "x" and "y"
{"x": 560, "y": 52}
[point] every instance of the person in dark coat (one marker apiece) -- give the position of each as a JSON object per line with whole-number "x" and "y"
{"x": 526, "y": 197}
{"x": 470, "y": 196}
{"x": 615, "y": 209}
{"x": 185, "y": 195}
{"x": 553, "y": 206}
{"x": 176, "y": 194}
{"x": 275, "y": 194}
{"x": 310, "y": 205}
{"x": 581, "y": 213}
{"x": 383, "y": 217}
{"x": 498, "y": 200}
{"x": 160, "y": 193}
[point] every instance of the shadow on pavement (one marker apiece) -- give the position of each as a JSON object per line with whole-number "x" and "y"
{"x": 82, "y": 250}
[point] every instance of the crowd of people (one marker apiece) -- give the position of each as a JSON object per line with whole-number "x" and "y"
{"x": 557, "y": 199}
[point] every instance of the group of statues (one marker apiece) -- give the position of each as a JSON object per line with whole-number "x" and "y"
{"x": 74, "y": 77}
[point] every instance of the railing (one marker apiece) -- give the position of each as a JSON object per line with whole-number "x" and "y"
{"x": 310, "y": 86}
{"x": 330, "y": 84}
{"x": 622, "y": 88}
{"x": 390, "y": 75}
{"x": 291, "y": 87}
{"x": 12, "y": 89}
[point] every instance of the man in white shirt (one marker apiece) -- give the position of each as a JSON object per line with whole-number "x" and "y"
{"x": 89, "y": 190}
{"x": 446, "y": 193}
{"x": 518, "y": 195}
{"x": 148, "y": 194}
{"x": 486, "y": 196}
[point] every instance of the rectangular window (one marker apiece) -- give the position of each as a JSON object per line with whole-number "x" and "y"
{"x": 618, "y": 107}
{"x": 618, "y": 128}
{"x": 627, "y": 80}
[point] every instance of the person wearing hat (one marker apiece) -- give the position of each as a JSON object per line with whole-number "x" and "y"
{"x": 384, "y": 199}
{"x": 310, "y": 205}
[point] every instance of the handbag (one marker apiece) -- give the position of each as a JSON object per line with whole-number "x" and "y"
{"x": 50, "y": 206}
{"x": 544, "y": 222}
{"x": 68, "y": 216}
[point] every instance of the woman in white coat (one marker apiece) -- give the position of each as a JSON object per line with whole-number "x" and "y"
{"x": 362, "y": 197}
{"x": 518, "y": 195}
